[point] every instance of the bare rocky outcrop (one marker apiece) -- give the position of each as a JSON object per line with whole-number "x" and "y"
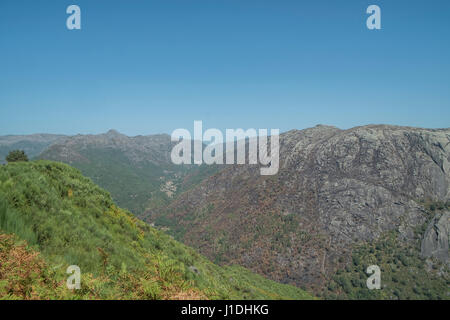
{"x": 335, "y": 188}
{"x": 435, "y": 242}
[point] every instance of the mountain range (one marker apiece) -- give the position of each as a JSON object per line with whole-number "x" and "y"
{"x": 342, "y": 200}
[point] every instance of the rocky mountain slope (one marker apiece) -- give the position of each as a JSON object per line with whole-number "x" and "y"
{"x": 435, "y": 242}
{"x": 335, "y": 189}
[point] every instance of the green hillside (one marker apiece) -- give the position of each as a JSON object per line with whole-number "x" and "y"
{"x": 136, "y": 185}
{"x": 66, "y": 219}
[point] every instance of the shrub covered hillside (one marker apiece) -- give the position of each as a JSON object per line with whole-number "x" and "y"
{"x": 52, "y": 217}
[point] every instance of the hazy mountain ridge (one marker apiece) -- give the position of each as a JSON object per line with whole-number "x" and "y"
{"x": 152, "y": 148}
{"x": 32, "y": 144}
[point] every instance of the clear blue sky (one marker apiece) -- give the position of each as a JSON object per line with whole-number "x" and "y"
{"x": 145, "y": 67}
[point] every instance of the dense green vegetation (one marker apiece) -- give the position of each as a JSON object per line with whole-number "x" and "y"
{"x": 404, "y": 273}
{"x": 71, "y": 221}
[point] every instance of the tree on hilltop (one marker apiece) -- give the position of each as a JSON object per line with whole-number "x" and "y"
{"x": 16, "y": 155}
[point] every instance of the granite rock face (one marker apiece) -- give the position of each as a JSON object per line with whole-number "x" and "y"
{"x": 334, "y": 188}
{"x": 436, "y": 239}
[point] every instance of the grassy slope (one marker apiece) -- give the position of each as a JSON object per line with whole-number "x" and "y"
{"x": 71, "y": 221}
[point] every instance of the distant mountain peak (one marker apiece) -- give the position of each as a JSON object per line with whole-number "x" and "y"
{"x": 113, "y": 132}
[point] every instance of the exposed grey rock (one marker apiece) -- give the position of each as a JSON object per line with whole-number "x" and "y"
{"x": 343, "y": 187}
{"x": 435, "y": 242}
